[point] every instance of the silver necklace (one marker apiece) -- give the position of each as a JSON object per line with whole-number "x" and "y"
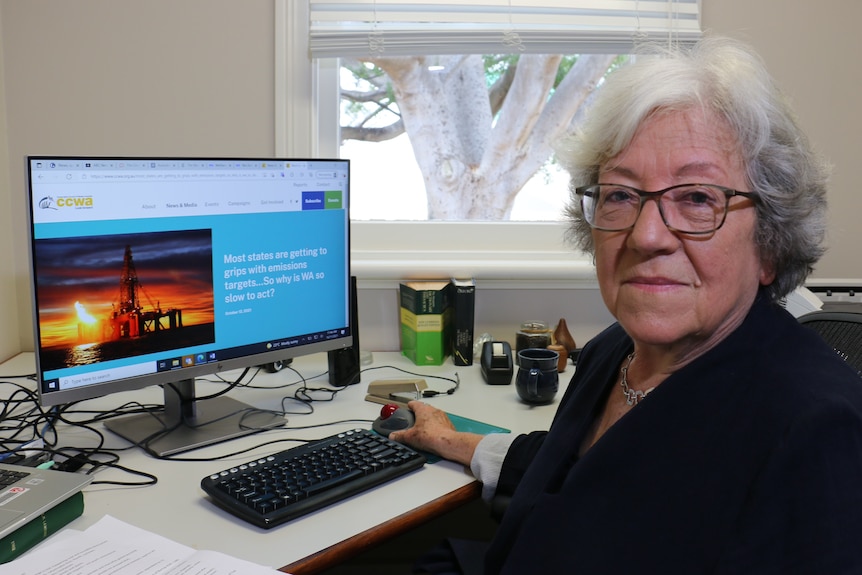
{"x": 633, "y": 396}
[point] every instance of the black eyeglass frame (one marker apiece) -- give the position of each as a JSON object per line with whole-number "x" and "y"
{"x": 643, "y": 196}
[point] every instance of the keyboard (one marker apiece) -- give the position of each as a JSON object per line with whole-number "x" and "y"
{"x": 278, "y": 488}
{"x": 8, "y": 477}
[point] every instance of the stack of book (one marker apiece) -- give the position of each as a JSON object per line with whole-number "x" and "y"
{"x": 426, "y": 321}
{"x": 437, "y": 320}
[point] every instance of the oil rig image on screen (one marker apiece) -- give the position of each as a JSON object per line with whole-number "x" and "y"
{"x": 130, "y": 319}
{"x": 130, "y": 322}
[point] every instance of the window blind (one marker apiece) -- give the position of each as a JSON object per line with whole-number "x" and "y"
{"x": 413, "y": 27}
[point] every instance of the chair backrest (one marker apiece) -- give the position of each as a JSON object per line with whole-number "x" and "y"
{"x": 842, "y": 330}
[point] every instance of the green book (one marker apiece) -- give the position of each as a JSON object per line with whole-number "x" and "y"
{"x": 426, "y": 321}
{"x": 426, "y": 338}
{"x": 42, "y": 527}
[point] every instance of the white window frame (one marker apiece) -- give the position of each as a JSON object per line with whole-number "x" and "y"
{"x": 507, "y": 254}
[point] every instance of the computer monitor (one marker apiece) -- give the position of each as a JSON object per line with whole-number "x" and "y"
{"x": 157, "y": 271}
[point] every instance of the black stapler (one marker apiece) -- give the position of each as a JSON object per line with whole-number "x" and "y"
{"x": 497, "y": 365}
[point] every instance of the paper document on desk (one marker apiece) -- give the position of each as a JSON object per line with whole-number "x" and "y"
{"x": 111, "y": 546}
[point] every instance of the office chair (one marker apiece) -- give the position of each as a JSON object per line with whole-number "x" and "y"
{"x": 842, "y": 330}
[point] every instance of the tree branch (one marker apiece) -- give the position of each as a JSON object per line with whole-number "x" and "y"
{"x": 373, "y": 134}
{"x": 497, "y": 93}
{"x": 364, "y": 97}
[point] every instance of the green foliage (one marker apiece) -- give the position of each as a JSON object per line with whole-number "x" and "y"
{"x": 366, "y": 91}
{"x": 497, "y": 65}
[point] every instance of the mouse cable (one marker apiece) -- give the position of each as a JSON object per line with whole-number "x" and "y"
{"x": 150, "y": 479}
{"x": 450, "y": 391}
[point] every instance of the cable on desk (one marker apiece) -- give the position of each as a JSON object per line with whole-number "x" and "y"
{"x": 154, "y": 411}
{"x": 99, "y": 457}
{"x": 427, "y": 392}
{"x": 24, "y": 420}
{"x": 23, "y": 376}
{"x": 146, "y": 442}
{"x": 26, "y": 424}
{"x": 302, "y": 379}
{"x": 231, "y": 385}
{"x": 450, "y": 391}
{"x": 21, "y": 418}
{"x": 304, "y": 394}
{"x": 151, "y": 479}
{"x": 75, "y": 463}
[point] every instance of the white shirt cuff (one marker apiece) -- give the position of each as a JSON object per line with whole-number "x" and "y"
{"x": 488, "y": 459}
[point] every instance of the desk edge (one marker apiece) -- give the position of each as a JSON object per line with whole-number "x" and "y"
{"x": 360, "y": 542}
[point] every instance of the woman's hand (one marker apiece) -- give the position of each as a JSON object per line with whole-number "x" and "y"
{"x": 434, "y": 432}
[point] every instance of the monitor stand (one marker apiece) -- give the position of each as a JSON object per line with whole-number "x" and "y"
{"x": 187, "y": 423}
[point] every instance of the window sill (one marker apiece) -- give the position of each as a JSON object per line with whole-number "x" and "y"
{"x": 505, "y": 254}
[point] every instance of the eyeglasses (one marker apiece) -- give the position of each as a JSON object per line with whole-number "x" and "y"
{"x": 686, "y": 208}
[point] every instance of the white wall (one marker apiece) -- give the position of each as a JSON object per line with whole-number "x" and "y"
{"x": 195, "y": 77}
{"x": 122, "y": 77}
{"x": 812, "y": 49}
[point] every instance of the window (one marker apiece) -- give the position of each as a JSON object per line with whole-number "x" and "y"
{"x": 307, "y": 114}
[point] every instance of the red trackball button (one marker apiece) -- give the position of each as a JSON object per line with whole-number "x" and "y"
{"x": 387, "y": 410}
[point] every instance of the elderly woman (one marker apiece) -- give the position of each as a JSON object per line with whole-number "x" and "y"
{"x": 706, "y": 431}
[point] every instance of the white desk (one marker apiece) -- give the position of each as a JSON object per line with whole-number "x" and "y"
{"x": 177, "y": 508}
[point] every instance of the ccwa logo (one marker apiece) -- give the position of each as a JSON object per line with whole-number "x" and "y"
{"x": 74, "y": 202}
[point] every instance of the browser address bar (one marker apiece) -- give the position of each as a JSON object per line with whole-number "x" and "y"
{"x": 162, "y": 176}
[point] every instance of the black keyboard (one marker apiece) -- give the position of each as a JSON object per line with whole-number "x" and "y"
{"x": 277, "y": 488}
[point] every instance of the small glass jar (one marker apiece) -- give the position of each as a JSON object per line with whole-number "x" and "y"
{"x": 533, "y": 334}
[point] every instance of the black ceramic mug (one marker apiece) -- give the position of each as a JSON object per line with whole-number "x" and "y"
{"x": 537, "y": 380}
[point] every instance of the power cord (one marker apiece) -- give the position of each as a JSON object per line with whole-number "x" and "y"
{"x": 450, "y": 391}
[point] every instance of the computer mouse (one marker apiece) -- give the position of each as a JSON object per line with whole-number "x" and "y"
{"x": 393, "y": 418}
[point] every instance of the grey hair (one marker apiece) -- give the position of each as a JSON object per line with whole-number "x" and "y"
{"x": 725, "y": 78}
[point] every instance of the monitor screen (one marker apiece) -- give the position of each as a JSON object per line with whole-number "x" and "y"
{"x": 151, "y": 271}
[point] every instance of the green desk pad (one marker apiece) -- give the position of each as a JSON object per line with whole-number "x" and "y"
{"x": 473, "y": 426}
{"x": 468, "y": 425}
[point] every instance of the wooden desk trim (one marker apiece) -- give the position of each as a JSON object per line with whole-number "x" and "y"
{"x": 340, "y": 552}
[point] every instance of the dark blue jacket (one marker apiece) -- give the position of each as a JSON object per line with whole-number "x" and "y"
{"x": 746, "y": 461}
